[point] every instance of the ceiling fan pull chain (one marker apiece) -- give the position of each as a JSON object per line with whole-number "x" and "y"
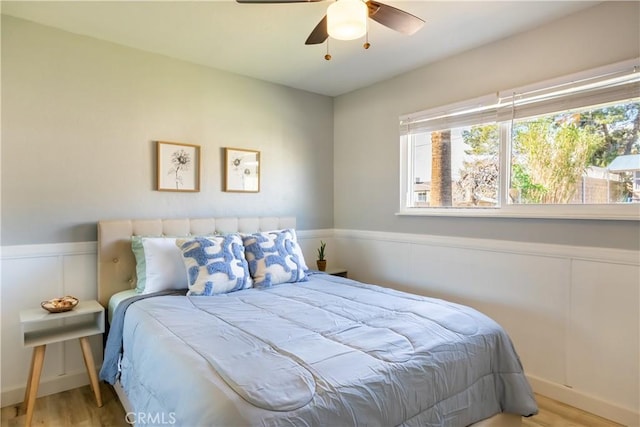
{"x": 366, "y": 44}
{"x": 327, "y": 56}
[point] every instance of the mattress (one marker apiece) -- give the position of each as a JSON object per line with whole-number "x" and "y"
{"x": 329, "y": 351}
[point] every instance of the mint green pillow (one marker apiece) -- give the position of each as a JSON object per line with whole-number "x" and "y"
{"x": 159, "y": 264}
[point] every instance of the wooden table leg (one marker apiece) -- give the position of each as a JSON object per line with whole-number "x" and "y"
{"x": 37, "y": 360}
{"x": 91, "y": 369}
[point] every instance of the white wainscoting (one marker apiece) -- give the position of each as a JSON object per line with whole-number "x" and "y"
{"x": 31, "y": 274}
{"x": 573, "y": 313}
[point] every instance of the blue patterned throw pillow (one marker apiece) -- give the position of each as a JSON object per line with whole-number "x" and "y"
{"x": 215, "y": 265}
{"x": 274, "y": 257}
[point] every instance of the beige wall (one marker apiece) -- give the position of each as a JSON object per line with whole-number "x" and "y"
{"x": 79, "y": 117}
{"x": 366, "y": 125}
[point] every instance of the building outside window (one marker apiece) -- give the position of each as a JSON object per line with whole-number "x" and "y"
{"x": 629, "y": 166}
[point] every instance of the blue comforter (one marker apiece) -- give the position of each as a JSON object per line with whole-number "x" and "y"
{"x": 113, "y": 348}
{"x": 330, "y": 351}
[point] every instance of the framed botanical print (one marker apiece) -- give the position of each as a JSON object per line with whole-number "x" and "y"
{"x": 241, "y": 170}
{"x": 178, "y": 167}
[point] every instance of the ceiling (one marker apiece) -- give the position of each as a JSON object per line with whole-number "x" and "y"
{"x": 266, "y": 41}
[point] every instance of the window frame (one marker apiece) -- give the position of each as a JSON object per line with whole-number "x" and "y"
{"x": 622, "y": 211}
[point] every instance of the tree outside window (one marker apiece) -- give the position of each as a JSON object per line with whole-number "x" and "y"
{"x": 565, "y": 144}
{"x": 563, "y": 158}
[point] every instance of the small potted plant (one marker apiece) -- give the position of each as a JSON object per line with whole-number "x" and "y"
{"x": 321, "y": 262}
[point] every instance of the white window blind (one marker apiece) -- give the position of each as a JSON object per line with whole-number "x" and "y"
{"x": 618, "y": 86}
{"x": 622, "y": 84}
{"x": 472, "y": 112}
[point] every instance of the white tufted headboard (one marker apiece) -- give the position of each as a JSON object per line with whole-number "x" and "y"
{"x": 117, "y": 264}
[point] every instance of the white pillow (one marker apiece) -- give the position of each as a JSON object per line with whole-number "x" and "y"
{"x": 159, "y": 264}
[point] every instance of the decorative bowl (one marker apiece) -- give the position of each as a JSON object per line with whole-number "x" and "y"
{"x": 60, "y": 305}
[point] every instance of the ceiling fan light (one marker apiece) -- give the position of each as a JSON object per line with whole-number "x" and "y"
{"x": 347, "y": 19}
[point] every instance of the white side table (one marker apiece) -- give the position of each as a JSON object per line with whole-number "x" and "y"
{"x": 40, "y": 328}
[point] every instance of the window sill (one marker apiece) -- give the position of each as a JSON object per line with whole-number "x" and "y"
{"x": 606, "y": 212}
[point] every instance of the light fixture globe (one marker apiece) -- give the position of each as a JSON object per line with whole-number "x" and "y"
{"x": 347, "y": 19}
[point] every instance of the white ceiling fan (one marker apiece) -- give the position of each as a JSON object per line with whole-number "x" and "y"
{"x": 347, "y": 19}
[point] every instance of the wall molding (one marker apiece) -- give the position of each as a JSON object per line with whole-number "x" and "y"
{"x": 48, "y": 250}
{"x": 609, "y": 255}
{"x": 88, "y": 248}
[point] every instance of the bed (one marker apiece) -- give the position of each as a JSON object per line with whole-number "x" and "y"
{"x": 319, "y": 351}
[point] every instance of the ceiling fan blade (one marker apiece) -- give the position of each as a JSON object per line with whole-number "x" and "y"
{"x": 396, "y": 19}
{"x": 275, "y": 1}
{"x": 319, "y": 33}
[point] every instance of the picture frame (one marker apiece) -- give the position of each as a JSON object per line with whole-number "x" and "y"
{"x": 241, "y": 170}
{"x": 178, "y": 167}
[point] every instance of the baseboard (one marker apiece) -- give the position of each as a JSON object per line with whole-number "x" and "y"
{"x": 586, "y": 402}
{"x": 500, "y": 420}
{"x": 47, "y": 386}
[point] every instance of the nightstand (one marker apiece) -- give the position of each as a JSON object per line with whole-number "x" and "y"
{"x": 40, "y": 328}
{"x": 337, "y": 271}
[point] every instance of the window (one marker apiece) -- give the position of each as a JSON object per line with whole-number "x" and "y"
{"x": 560, "y": 149}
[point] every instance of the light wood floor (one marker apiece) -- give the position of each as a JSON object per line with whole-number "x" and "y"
{"x": 77, "y": 407}
{"x": 555, "y": 414}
